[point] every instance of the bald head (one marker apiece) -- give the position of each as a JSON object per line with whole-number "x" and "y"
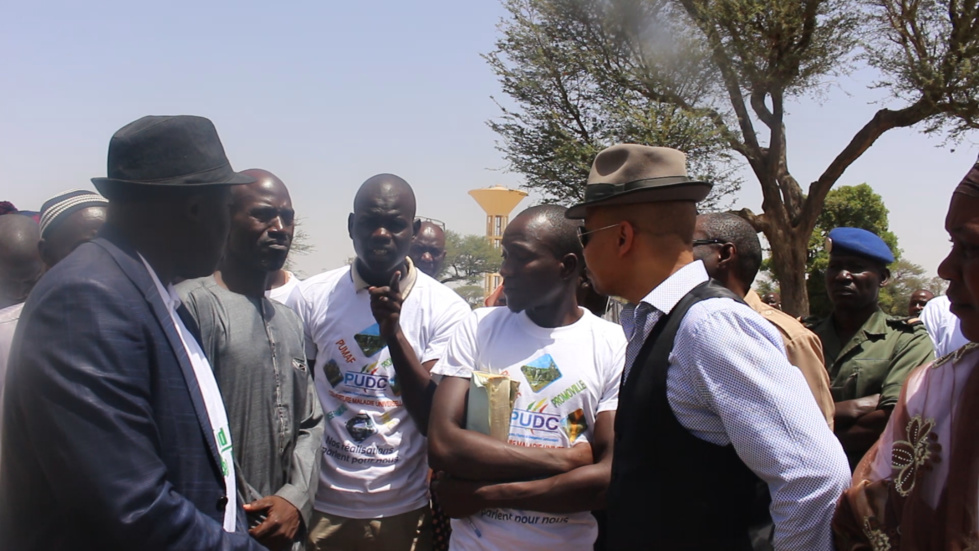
{"x": 264, "y": 181}
{"x": 548, "y": 224}
{"x": 20, "y": 261}
{"x": 541, "y": 259}
{"x": 262, "y": 228}
{"x": 428, "y": 248}
{"x": 918, "y": 301}
{"x": 382, "y": 226}
{"x": 388, "y": 189}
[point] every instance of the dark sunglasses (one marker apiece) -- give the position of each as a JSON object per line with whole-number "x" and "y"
{"x": 583, "y": 235}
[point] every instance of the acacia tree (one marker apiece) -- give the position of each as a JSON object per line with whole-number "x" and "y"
{"x": 860, "y": 207}
{"x": 467, "y": 258}
{"x": 855, "y": 207}
{"x": 713, "y": 77}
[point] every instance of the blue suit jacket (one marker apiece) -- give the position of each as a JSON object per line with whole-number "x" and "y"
{"x": 106, "y": 442}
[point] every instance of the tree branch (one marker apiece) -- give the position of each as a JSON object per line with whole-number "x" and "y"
{"x": 882, "y": 121}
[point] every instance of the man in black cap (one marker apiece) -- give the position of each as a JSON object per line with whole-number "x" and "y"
{"x": 68, "y": 220}
{"x": 114, "y": 435}
{"x": 709, "y": 404}
{"x": 868, "y": 354}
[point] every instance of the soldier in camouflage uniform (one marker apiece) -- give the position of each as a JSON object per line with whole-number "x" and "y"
{"x": 867, "y": 352}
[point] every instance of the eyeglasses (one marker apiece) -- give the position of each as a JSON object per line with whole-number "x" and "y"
{"x": 697, "y": 242}
{"x": 583, "y": 235}
{"x": 438, "y": 223}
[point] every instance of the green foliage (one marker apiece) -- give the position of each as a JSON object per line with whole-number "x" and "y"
{"x": 472, "y": 294}
{"x": 906, "y": 278}
{"x": 927, "y": 52}
{"x": 860, "y": 207}
{"x": 467, "y": 258}
{"x": 573, "y": 103}
{"x": 712, "y": 77}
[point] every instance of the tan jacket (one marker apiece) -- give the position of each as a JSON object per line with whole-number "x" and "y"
{"x": 804, "y": 351}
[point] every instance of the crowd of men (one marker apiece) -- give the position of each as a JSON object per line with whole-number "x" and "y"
{"x": 167, "y": 384}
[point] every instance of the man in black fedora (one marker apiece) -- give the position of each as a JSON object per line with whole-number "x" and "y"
{"x": 114, "y": 434}
{"x": 709, "y": 404}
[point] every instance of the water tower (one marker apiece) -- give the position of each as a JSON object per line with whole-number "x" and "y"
{"x": 498, "y": 202}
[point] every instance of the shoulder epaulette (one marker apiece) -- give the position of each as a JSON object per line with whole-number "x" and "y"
{"x": 810, "y": 321}
{"x": 904, "y": 322}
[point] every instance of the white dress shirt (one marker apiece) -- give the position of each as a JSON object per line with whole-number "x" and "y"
{"x": 213, "y": 402}
{"x": 730, "y": 383}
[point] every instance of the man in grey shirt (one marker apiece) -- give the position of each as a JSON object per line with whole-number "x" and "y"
{"x": 255, "y": 346}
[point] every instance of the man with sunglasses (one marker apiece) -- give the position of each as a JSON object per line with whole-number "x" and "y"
{"x": 709, "y": 404}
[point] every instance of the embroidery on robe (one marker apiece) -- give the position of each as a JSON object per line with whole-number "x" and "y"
{"x": 876, "y": 537}
{"x": 909, "y": 456}
{"x": 955, "y": 355}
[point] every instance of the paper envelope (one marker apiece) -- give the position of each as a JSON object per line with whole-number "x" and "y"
{"x": 491, "y": 399}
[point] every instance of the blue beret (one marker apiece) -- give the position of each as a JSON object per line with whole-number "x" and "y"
{"x": 859, "y": 242}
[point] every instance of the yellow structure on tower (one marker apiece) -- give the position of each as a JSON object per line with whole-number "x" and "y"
{"x": 498, "y": 202}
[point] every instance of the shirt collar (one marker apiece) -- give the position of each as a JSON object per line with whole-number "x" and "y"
{"x": 407, "y": 281}
{"x": 876, "y": 324}
{"x": 168, "y": 293}
{"x": 667, "y": 294}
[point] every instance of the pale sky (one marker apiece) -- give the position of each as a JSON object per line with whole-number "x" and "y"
{"x": 327, "y": 94}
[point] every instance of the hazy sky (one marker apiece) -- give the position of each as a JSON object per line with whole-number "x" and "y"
{"x": 326, "y": 94}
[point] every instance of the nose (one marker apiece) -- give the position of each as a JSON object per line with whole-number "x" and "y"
{"x": 949, "y": 267}
{"x": 843, "y": 274}
{"x": 505, "y": 269}
{"x": 381, "y": 233}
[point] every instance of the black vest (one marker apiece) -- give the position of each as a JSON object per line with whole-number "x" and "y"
{"x": 671, "y": 490}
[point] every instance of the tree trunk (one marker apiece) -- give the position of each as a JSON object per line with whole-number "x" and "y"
{"x": 790, "y": 249}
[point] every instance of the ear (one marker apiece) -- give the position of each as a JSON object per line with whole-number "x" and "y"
{"x": 727, "y": 253}
{"x": 885, "y": 277}
{"x": 570, "y": 266}
{"x": 350, "y": 225}
{"x": 625, "y": 238}
{"x": 416, "y": 227}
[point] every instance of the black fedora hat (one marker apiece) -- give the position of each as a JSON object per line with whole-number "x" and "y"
{"x": 164, "y": 151}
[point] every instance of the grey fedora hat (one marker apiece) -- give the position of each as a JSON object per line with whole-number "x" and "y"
{"x": 632, "y": 173}
{"x": 179, "y": 150}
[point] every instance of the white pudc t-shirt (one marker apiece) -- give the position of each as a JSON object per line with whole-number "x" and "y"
{"x": 567, "y": 375}
{"x": 375, "y": 460}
